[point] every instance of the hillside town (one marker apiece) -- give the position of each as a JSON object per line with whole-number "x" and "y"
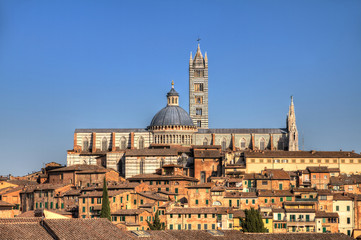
{"x": 316, "y": 199}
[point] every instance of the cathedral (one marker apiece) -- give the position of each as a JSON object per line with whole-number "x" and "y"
{"x": 174, "y": 134}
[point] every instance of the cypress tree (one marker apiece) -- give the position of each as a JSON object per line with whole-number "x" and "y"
{"x": 105, "y": 212}
{"x": 156, "y": 225}
{"x": 252, "y": 221}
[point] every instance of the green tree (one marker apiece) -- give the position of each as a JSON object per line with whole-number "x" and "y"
{"x": 105, "y": 212}
{"x": 252, "y": 221}
{"x": 156, "y": 225}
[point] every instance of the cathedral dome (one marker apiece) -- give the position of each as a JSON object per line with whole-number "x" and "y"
{"x": 172, "y": 116}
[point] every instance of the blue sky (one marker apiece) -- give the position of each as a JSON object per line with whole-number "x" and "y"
{"x": 108, "y": 64}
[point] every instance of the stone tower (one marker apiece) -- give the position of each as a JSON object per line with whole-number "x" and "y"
{"x": 292, "y": 128}
{"x": 198, "y": 89}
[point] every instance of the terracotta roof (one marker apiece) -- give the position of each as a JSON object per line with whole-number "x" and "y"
{"x": 240, "y": 195}
{"x": 151, "y": 152}
{"x": 324, "y": 192}
{"x": 84, "y": 229}
{"x": 277, "y": 174}
{"x": 345, "y": 180}
{"x": 341, "y": 196}
{"x": 46, "y": 186}
{"x": 207, "y": 146}
{"x": 72, "y": 192}
{"x": 322, "y": 214}
{"x": 128, "y": 212}
{"x": 153, "y": 195}
{"x": 239, "y": 214}
{"x": 300, "y": 154}
{"x": 81, "y": 167}
{"x": 111, "y": 185}
{"x": 22, "y": 182}
{"x": 10, "y": 190}
{"x": 210, "y": 153}
{"x": 274, "y": 193}
{"x": 23, "y": 228}
{"x": 5, "y": 204}
{"x": 201, "y": 210}
{"x": 304, "y": 190}
{"x": 319, "y": 169}
{"x": 111, "y": 193}
{"x": 235, "y": 235}
{"x": 202, "y": 185}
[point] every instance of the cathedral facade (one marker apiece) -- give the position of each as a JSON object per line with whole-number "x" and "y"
{"x": 173, "y": 133}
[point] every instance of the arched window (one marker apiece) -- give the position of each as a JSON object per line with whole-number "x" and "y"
{"x": 262, "y": 144}
{"x": 141, "y": 143}
{"x": 104, "y": 144}
{"x": 85, "y": 144}
{"x": 161, "y": 163}
{"x": 217, "y": 203}
{"x": 243, "y": 143}
{"x": 205, "y": 141}
{"x": 280, "y": 144}
{"x": 224, "y": 144}
{"x": 141, "y": 166}
{"x": 123, "y": 144}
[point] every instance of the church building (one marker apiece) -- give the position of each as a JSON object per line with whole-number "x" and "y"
{"x": 174, "y": 135}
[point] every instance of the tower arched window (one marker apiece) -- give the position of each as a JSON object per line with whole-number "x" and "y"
{"x": 243, "y": 143}
{"x": 85, "y": 144}
{"x": 123, "y": 144}
{"x": 141, "y": 143}
{"x": 262, "y": 144}
{"x": 104, "y": 144}
{"x": 224, "y": 144}
{"x": 205, "y": 141}
{"x": 141, "y": 166}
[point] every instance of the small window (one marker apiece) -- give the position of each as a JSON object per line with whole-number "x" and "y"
{"x": 198, "y": 100}
{"x": 141, "y": 166}
{"x": 224, "y": 144}
{"x": 243, "y": 143}
{"x": 205, "y": 141}
{"x": 123, "y": 143}
{"x": 104, "y": 144}
{"x": 199, "y": 111}
{"x": 262, "y": 144}
{"x": 85, "y": 144}
{"x": 199, "y": 123}
{"x": 141, "y": 143}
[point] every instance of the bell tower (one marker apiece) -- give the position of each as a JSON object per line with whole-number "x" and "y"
{"x": 198, "y": 89}
{"x": 292, "y": 128}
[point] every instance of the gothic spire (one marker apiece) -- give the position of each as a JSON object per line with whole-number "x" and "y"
{"x": 292, "y": 128}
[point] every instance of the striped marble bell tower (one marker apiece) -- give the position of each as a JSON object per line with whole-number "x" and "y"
{"x": 198, "y": 89}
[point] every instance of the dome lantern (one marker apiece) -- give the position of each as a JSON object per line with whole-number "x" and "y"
{"x": 172, "y": 97}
